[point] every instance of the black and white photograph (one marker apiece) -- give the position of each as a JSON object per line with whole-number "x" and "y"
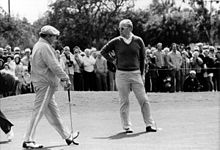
{"x": 110, "y": 74}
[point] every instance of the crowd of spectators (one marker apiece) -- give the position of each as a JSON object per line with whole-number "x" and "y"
{"x": 182, "y": 68}
{"x": 170, "y": 69}
{"x": 16, "y": 63}
{"x": 88, "y": 70}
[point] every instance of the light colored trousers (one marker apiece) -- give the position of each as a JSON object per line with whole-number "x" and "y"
{"x": 45, "y": 104}
{"x": 125, "y": 81}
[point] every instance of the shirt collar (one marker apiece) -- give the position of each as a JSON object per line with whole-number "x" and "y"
{"x": 128, "y": 41}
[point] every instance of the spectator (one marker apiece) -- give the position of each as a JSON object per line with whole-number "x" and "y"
{"x": 147, "y": 79}
{"x": 19, "y": 73}
{"x": 93, "y": 53}
{"x": 166, "y": 82}
{"x": 22, "y": 53}
{"x": 69, "y": 61}
{"x": 212, "y": 52}
{"x": 159, "y": 60}
{"x": 185, "y": 68}
{"x": 11, "y": 63}
{"x": 78, "y": 70}
{"x": 2, "y": 56}
{"x": 7, "y": 70}
{"x": 27, "y": 86}
{"x": 208, "y": 63}
{"x": 175, "y": 62}
{"x": 8, "y": 50}
{"x": 166, "y": 51}
{"x": 217, "y": 70}
{"x": 88, "y": 73}
{"x": 189, "y": 52}
{"x": 17, "y": 51}
{"x": 101, "y": 72}
{"x": 151, "y": 73}
{"x": 27, "y": 59}
{"x": 195, "y": 64}
{"x": 191, "y": 84}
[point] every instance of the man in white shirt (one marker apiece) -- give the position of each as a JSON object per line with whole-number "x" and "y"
{"x": 88, "y": 73}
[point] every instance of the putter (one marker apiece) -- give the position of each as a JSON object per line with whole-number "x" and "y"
{"x": 71, "y": 120}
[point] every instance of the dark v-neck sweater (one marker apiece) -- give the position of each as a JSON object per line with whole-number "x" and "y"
{"x": 129, "y": 57}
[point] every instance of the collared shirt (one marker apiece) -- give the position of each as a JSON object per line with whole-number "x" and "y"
{"x": 88, "y": 63}
{"x": 45, "y": 68}
{"x": 101, "y": 65}
{"x": 128, "y": 41}
{"x": 159, "y": 58}
{"x": 174, "y": 59}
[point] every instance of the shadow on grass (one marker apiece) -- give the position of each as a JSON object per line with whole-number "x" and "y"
{"x": 121, "y": 135}
{"x": 48, "y": 147}
{"x": 4, "y": 142}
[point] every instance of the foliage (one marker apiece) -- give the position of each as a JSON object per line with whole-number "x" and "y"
{"x": 86, "y": 23}
{"x": 91, "y": 23}
{"x": 16, "y": 32}
{"x": 170, "y": 25}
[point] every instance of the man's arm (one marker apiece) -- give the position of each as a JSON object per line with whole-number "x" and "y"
{"x": 107, "y": 50}
{"x": 169, "y": 61}
{"x": 142, "y": 56}
{"x": 52, "y": 63}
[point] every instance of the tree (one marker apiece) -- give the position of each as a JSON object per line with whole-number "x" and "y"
{"x": 16, "y": 32}
{"x": 87, "y": 23}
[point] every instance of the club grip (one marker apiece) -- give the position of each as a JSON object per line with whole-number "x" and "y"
{"x": 68, "y": 94}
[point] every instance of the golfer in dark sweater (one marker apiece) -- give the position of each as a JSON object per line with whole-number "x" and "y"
{"x": 129, "y": 51}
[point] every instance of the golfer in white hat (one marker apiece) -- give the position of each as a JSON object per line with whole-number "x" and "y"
{"x": 45, "y": 75}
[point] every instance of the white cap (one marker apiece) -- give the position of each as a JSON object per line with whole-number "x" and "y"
{"x": 49, "y": 30}
{"x": 17, "y": 49}
{"x": 27, "y": 50}
{"x": 192, "y": 72}
{"x": 15, "y": 56}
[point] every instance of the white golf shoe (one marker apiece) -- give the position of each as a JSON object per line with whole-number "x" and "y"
{"x": 31, "y": 145}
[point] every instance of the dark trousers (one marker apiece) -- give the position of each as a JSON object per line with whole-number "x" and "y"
{"x": 161, "y": 76}
{"x": 78, "y": 81}
{"x": 101, "y": 81}
{"x": 175, "y": 80}
{"x": 147, "y": 83}
{"x": 111, "y": 86}
{"x": 5, "y": 124}
{"x": 89, "y": 81}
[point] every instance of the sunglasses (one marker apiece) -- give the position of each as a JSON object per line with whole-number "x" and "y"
{"x": 122, "y": 28}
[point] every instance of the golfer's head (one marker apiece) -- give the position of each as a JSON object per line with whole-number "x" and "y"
{"x": 49, "y": 33}
{"x": 125, "y": 27}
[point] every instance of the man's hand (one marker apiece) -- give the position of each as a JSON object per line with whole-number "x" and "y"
{"x": 65, "y": 83}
